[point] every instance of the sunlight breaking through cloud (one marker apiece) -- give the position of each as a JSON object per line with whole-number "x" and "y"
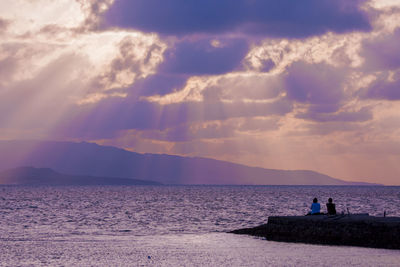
{"x": 241, "y": 85}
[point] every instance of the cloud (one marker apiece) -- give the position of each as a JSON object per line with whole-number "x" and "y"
{"x": 274, "y": 55}
{"x": 28, "y": 17}
{"x": 284, "y": 18}
{"x": 319, "y": 85}
{"x": 382, "y": 53}
{"x": 364, "y": 114}
{"x": 321, "y": 94}
{"x": 204, "y": 56}
{"x": 385, "y": 87}
{"x": 3, "y": 25}
{"x": 251, "y": 87}
{"x": 159, "y": 84}
{"x": 138, "y": 57}
{"x": 50, "y": 64}
{"x": 93, "y": 10}
{"x": 122, "y": 59}
{"x": 231, "y": 87}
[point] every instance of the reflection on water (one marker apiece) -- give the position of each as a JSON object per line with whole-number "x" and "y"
{"x": 213, "y": 249}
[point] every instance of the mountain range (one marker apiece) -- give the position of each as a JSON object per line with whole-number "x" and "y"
{"x": 90, "y": 159}
{"x": 46, "y": 176}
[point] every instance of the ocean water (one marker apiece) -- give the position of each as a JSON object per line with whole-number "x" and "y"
{"x": 175, "y": 225}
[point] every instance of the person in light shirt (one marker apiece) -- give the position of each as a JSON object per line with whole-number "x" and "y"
{"x": 315, "y": 207}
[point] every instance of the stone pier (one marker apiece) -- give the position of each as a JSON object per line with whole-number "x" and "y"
{"x": 349, "y": 230}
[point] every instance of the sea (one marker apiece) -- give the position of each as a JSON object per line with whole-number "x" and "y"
{"x": 176, "y": 225}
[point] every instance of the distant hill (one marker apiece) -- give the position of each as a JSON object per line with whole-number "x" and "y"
{"x": 46, "y": 176}
{"x": 90, "y": 159}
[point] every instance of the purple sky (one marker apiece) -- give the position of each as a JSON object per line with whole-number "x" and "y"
{"x": 312, "y": 84}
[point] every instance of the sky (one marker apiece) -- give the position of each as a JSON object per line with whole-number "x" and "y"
{"x": 312, "y": 84}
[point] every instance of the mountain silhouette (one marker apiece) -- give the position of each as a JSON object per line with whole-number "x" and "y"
{"x": 47, "y": 176}
{"x": 89, "y": 159}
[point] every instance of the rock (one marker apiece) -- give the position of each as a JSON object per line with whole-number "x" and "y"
{"x": 350, "y": 230}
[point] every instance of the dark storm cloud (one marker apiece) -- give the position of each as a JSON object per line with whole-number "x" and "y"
{"x": 202, "y": 57}
{"x": 283, "y": 18}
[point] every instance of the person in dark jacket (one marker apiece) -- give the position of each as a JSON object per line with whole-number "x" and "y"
{"x": 331, "y": 207}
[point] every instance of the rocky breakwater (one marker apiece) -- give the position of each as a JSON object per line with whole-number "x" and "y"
{"x": 350, "y": 230}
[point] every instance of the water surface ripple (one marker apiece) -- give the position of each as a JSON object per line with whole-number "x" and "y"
{"x": 37, "y": 213}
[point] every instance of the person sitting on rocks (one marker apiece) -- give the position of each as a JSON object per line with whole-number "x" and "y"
{"x": 331, "y": 207}
{"x": 315, "y": 207}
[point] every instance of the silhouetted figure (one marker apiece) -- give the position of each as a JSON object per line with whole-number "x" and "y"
{"x": 331, "y": 207}
{"x": 315, "y": 207}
